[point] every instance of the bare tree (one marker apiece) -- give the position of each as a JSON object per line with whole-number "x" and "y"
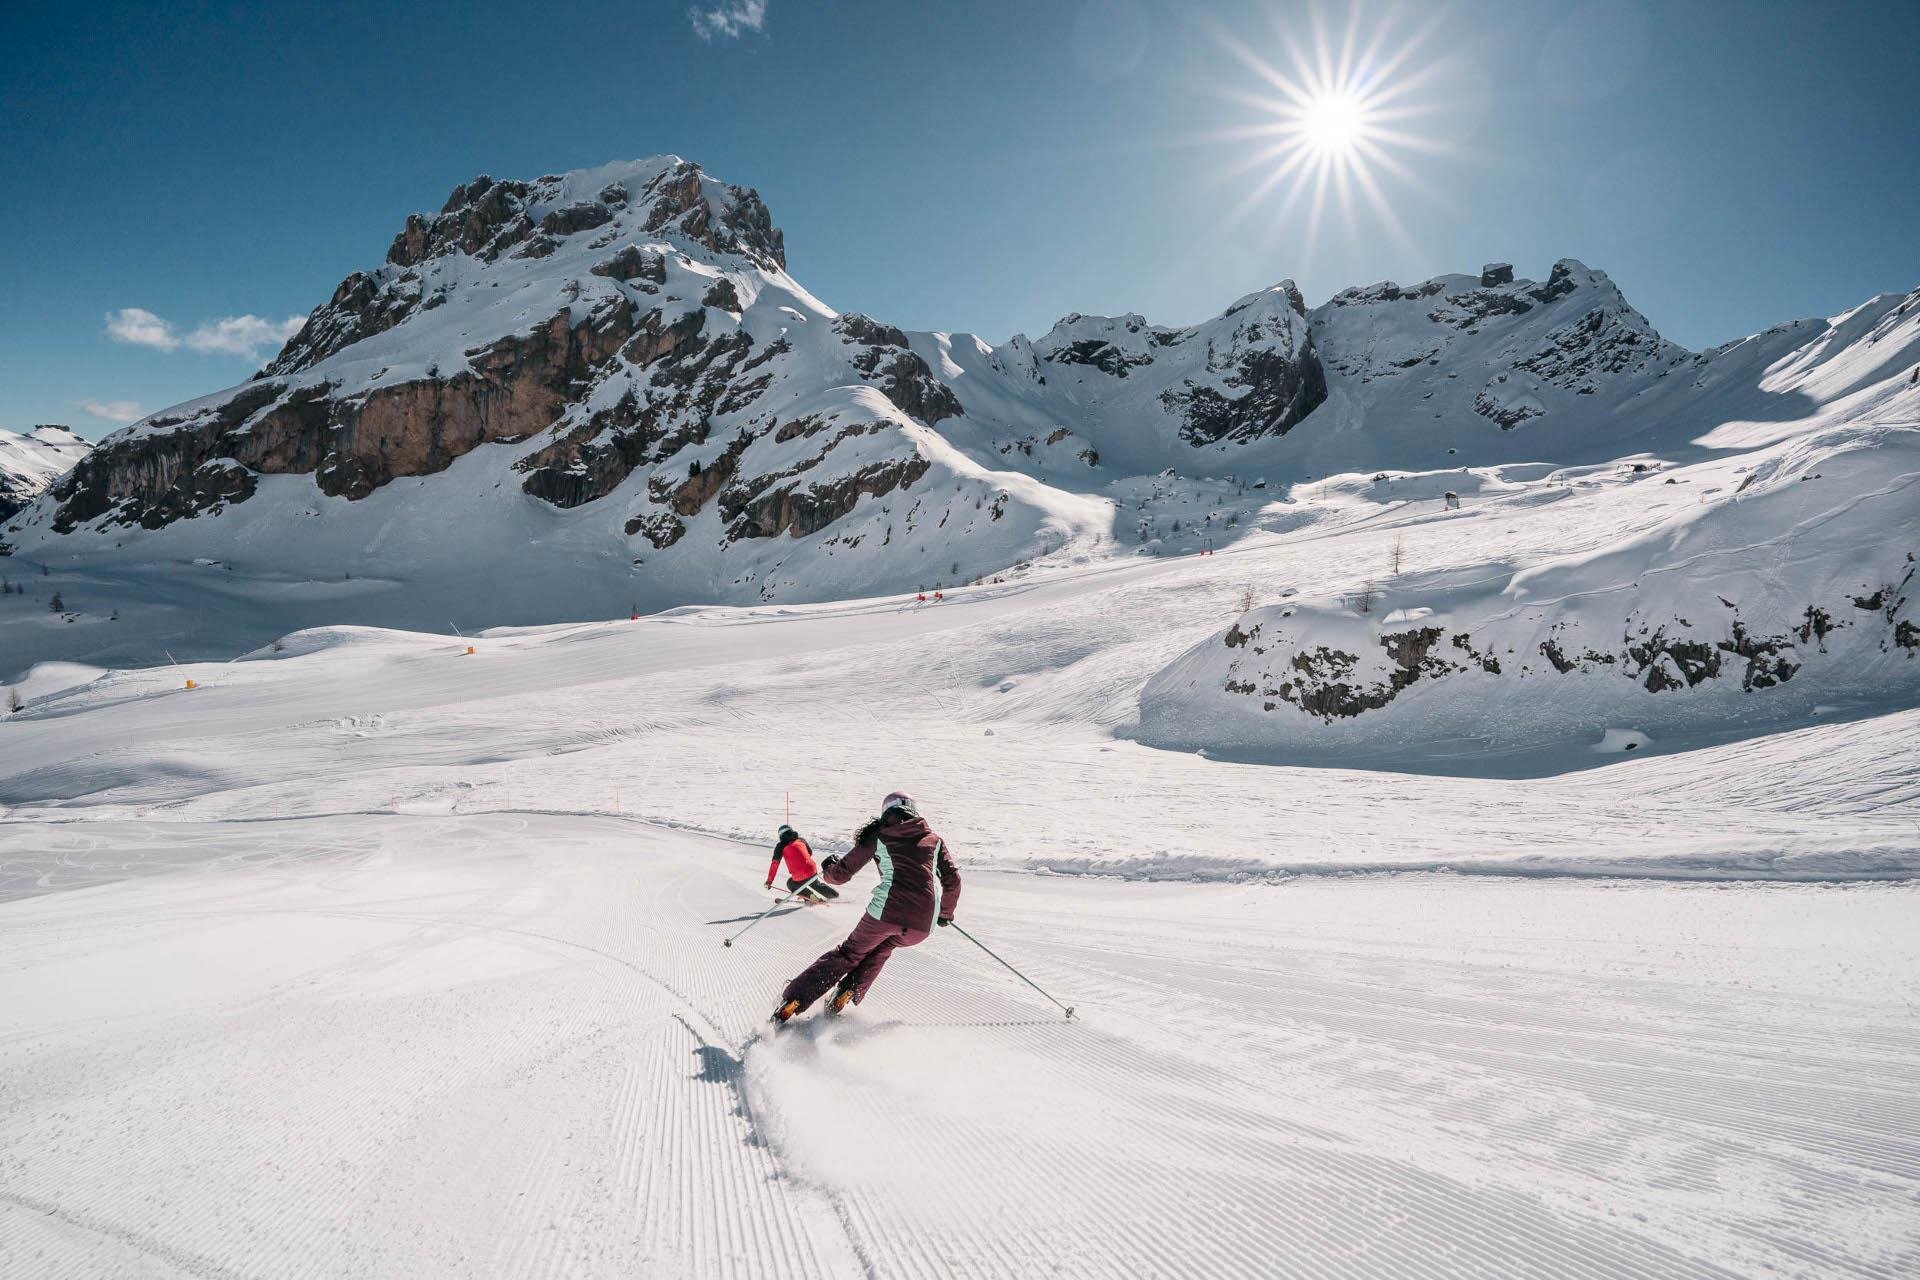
{"x": 1246, "y": 598}
{"x": 1399, "y": 554}
{"x": 1363, "y": 602}
{"x": 14, "y": 701}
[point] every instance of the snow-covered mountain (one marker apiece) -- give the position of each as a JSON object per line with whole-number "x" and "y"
{"x": 606, "y": 376}
{"x": 1777, "y": 551}
{"x": 609, "y": 374}
{"x": 31, "y": 462}
{"x": 562, "y": 398}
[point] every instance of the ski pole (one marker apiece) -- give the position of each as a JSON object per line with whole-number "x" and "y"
{"x": 777, "y": 904}
{"x": 951, "y": 924}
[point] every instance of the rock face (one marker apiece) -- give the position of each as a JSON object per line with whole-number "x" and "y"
{"x": 31, "y": 462}
{"x": 1250, "y": 374}
{"x": 1281, "y": 664}
{"x": 350, "y": 445}
{"x": 414, "y": 416}
{"x": 883, "y": 358}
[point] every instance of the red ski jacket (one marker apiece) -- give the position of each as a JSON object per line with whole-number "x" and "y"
{"x": 918, "y": 878}
{"x": 800, "y": 864}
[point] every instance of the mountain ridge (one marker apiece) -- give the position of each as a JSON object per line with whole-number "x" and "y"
{"x": 606, "y": 388}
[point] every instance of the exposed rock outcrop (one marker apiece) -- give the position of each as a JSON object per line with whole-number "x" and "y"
{"x": 351, "y": 446}
{"x": 884, "y": 359}
{"x": 1278, "y": 662}
{"x": 631, "y": 264}
{"x": 1269, "y": 373}
{"x": 1278, "y": 389}
{"x": 799, "y": 509}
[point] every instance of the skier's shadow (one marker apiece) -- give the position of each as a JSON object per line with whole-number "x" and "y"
{"x": 717, "y": 1066}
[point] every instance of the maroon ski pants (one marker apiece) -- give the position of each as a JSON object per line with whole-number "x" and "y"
{"x": 854, "y": 964}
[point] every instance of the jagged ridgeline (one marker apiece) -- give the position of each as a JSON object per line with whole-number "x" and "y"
{"x": 630, "y": 335}
{"x": 607, "y": 386}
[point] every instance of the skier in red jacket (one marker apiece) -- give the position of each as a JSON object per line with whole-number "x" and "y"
{"x": 919, "y": 887}
{"x": 801, "y": 869}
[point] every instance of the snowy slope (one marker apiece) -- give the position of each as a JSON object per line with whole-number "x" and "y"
{"x": 512, "y": 1046}
{"x": 370, "y": 956}
{"x": 1782, "y": 586}
{"x": 31, "y": 462}
{"x": 1010, "y": 707}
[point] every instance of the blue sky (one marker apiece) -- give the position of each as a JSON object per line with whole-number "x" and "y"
{"x": 204, "y": 172}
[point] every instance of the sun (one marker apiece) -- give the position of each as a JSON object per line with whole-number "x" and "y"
{"x": 1334, "y": 123}
{"x": 1334, "y": 118}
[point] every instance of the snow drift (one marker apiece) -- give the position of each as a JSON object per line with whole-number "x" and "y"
{"x": 1788, "y": 589}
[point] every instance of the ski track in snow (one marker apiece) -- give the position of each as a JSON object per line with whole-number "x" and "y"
{"x": 512, "y": 1045}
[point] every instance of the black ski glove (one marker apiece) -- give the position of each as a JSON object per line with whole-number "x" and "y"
{"x": 831, "y": 860}
{"x": 944, "y": 921}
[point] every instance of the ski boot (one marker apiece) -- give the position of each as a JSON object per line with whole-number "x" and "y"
{"x": 842, "y": 999}
{"x": 785, "y": 1012}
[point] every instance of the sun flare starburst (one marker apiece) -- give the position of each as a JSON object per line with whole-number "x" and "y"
{"x": 1334, "y": 121}
{"x": 1333, "y": 124}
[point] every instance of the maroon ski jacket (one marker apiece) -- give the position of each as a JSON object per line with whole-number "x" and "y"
{"x": 918, "y": 878}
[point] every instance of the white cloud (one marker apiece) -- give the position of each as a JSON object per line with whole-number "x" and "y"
{"x": 246, "y": 335}
{"x": 113, "y": 410}
{"x": 729, "y": 19}
{"x": 243, "y": 335}
{"x": 141, "y": 328}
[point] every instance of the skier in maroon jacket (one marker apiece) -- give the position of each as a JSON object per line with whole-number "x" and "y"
{"x": 919, "y": 887}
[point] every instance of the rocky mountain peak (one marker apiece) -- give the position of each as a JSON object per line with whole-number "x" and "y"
{"x": 1519, "y": 349}
{"x": 487, "y": 217}
{"x": 494, "y": 221}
